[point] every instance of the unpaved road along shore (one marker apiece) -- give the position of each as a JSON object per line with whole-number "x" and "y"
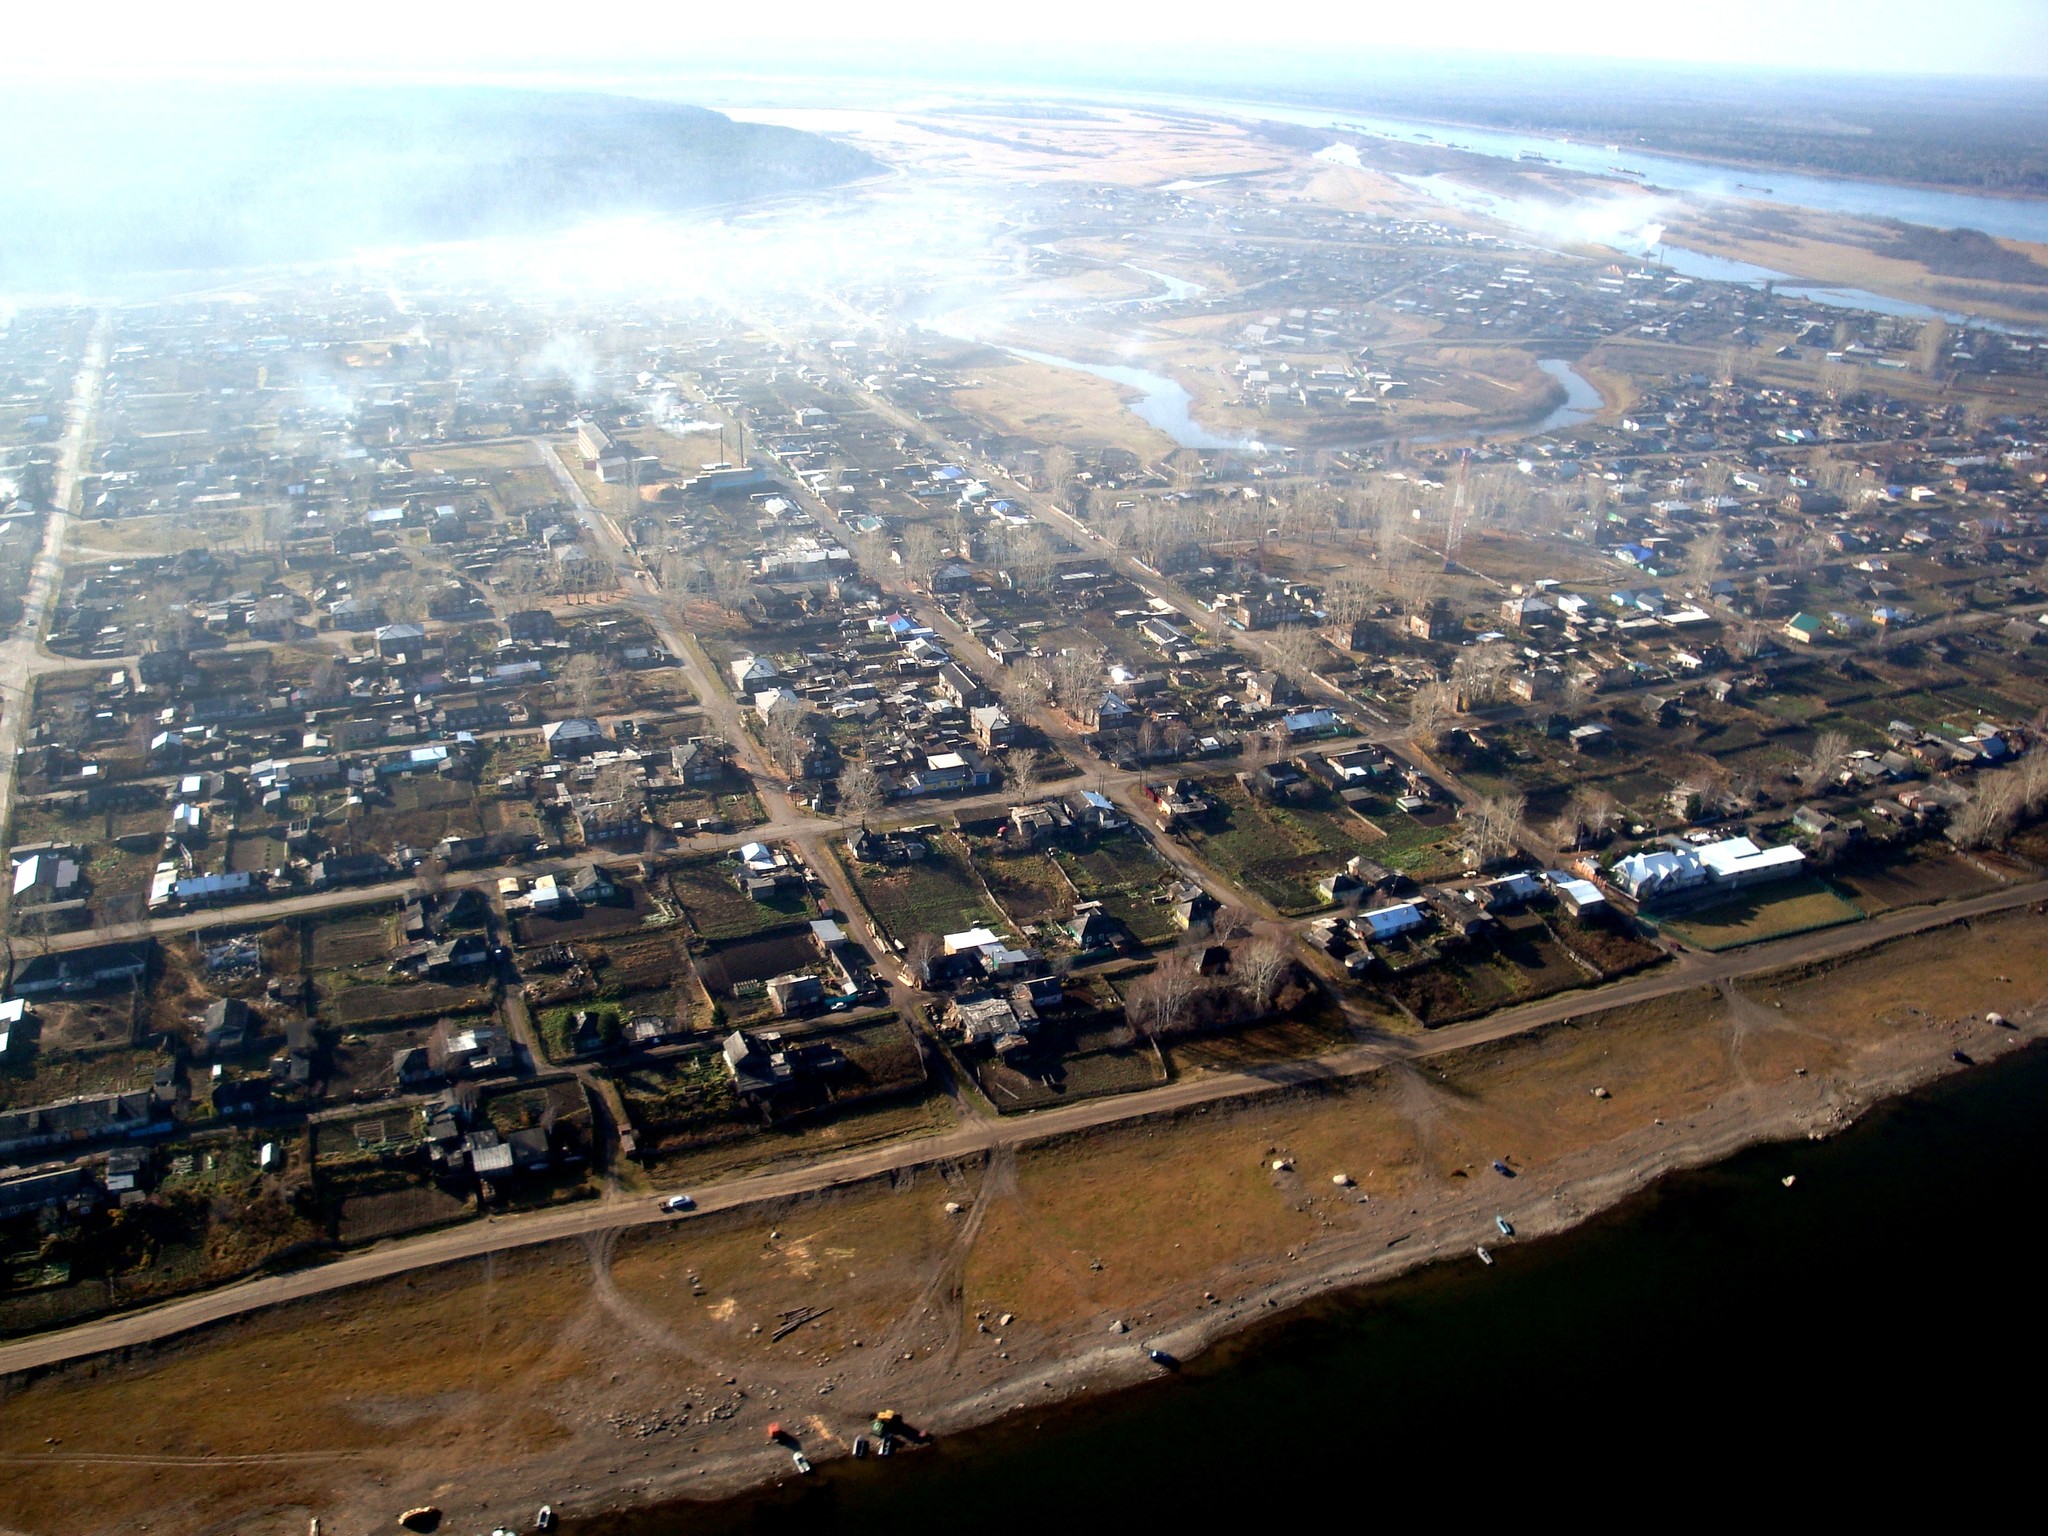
{"x": 976, "y": 1138}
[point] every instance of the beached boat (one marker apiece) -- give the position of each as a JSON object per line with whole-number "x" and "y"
{"x": 1484, "y": 1256}
{"x": 545, "y": 1520}
{"x": 860, "y": 1445}
{"x": 1507, "y": 1228}
{"x": 803, "y": 1462}
{"x": 421, "y": 1517}
{"x": 884, "y": 1446}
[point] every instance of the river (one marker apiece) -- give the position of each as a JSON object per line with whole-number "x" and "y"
{"x": 1627, "y": 218}
{"x": 2012, "y": 218}
{"x": 1582, "y": 401}
{"x": 1162, "y": 402}
{"x": 1722, "y": 1339}
{"x": 1628, "y": 224}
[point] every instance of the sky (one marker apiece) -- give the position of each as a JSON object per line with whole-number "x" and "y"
{"x": 1033, "y": 43}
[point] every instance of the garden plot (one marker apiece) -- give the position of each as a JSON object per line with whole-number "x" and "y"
{"x": 717, "y": 909}
{"x": 370, "y": 1005}
{"x": 1280, "y": 852}
{"x": 632, "y": 909}
{"x": 1122, "y": 871}
{"x": 630, "y": 965}
{"x": 359, "y": 1060}
{"x": 1061, "y": 1079}
{"x": 1921, "y": 879}
{"x": 422, "y": 812}
{"x": 353, "y": 938}
{"x": 936, "y": 894}
{"x": 1023, "y": 880}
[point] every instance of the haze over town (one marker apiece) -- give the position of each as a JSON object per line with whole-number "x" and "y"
{"x": 730, "y": 746}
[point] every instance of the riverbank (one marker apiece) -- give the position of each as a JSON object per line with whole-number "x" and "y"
{"x": 639, "y": 1367}
{"x": 1690, "y": 1315}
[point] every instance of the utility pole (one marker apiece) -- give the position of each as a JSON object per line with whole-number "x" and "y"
{"x": 1454, "y": 519}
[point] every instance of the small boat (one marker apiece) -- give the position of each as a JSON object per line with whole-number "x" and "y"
{"x": 1161, "y": 1358}
{"x": 884, "y": 1446}
{"x": 1507, "y": 1228}
{"x": 422, "y": 1517}
{"x": 803, "y": 1462}
{"x": 1484, "y": 1256}
{"x": 545, "y": 1520}
{"x": 1743, "y": 186}
{"x": 1503, "y": 1169}
{"x": 860, "y": 1446}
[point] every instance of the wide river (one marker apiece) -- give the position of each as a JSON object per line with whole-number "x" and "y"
{"x": 2014, "y": 218}
{"x": 1720, "y": 1339}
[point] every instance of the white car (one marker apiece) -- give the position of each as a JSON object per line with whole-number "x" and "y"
{"x": 679, "y": 1203}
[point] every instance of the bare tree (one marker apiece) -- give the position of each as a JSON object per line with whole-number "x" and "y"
{"x": 1230, "y": 922}
{"x": 920, "y": 952}
{"x": 861, "y": 792}
{"x": 1479, "y": 674}
{"x": 1990, "y": 813}
{"x": 2032, "y": 773}
{"x": 1077, "y": 678}
{"x": 1590, "y": 812}
{"x": 1260, "y": 967}
{"x": 1293, "y": 652}
{"x": 786, "y": 737}
{"x": 1703, "y": 558}
{"x": 1830, "y": 753}
{"x": 1028, "y": 684}
{"x": 1021, "y": 772}
{"x": 431, "y": 876}
{"x": 1032, "y": 560}
{"x": 1933, "y": 339}
{"x": 1493, "y": 823}
{"x": 1349, "y": 597}
{"x": 1161, "y": 1004}
{"x": 920, "y": 552}
{"x": 582, "y": 678}
{"x": 1059, "y": 472}
{"x": 1430, "y": 710}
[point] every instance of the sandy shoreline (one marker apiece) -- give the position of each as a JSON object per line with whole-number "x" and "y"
{"x": 1545, "y": 1207}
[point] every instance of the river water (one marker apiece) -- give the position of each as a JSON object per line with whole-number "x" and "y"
{"x": 1582, "y": 401}
{"x": 1719, "y": 1341}
{"x": 2014, "y": 218}
{"x": 1162, "y": 402}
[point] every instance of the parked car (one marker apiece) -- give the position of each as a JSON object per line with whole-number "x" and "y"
{"x": 679, "y": 1203}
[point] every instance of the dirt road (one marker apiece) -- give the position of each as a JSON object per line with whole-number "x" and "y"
{"x": 21, "y": 656}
